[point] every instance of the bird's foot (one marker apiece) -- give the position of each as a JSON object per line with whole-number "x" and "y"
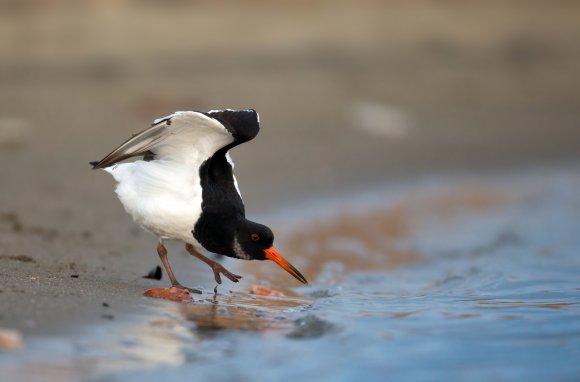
{"x": 218, "y": 268}
{"x": 192, "y": 290}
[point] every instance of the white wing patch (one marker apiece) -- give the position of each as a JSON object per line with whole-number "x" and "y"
{"x": 184, "y": 136}
{"x": 191, "y": 133}
{"x": 231, "y": 162}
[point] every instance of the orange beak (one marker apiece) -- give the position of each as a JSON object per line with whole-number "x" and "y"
{"x": 272, "y": 254}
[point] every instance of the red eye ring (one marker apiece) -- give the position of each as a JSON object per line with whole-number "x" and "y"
{"x": 255, "y": 237}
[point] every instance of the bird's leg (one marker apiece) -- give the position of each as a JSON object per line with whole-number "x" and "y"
{"x": 217, "y": 268}
{"x": 162, "y": 252}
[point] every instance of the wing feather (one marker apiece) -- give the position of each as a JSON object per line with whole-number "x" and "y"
{"x": 179, "y": 136}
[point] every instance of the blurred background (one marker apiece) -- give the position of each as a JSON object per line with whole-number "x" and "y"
{"x": 348, "y": 91}
{"x": 352, "y": 95}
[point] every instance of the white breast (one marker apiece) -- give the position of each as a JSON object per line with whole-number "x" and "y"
{"x": 163, "y": 196}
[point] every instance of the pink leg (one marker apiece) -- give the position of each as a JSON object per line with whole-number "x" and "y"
{"x": 217, "y": 268}
{"x": 162, "y": 251}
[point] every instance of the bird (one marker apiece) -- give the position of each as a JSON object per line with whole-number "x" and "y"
{"x": 182, "y": 187}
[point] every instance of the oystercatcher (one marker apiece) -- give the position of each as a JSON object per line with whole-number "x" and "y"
{"x": 183, "y": 188}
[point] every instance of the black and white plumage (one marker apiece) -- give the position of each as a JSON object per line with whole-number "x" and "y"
{"x": 184, "y": 188}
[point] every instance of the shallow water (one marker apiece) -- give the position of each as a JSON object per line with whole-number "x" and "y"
{"x": 455, "y": 279}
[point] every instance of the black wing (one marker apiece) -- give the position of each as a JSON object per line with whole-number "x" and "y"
{"x": 243, "y": 124}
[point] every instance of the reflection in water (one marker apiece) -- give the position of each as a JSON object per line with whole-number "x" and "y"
{"x": 243, "y": 311}
{"x": 171, "y": 335}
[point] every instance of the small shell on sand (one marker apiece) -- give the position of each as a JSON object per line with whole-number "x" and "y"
{"x": 10, "y": 339}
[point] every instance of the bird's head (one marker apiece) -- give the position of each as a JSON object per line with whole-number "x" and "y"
{"x": 254, "y": 241}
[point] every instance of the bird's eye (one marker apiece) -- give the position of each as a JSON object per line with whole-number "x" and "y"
{"x": 255, "y": 237}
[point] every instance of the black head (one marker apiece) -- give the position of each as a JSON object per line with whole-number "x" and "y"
{"x": 253, "y": 241}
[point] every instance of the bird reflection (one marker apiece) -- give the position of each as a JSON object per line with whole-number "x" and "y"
{"x": 242, "y": 311}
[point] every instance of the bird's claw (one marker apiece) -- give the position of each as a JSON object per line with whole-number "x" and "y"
{"x": 218, "y": 268}
{"x": 191, "y": 290}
